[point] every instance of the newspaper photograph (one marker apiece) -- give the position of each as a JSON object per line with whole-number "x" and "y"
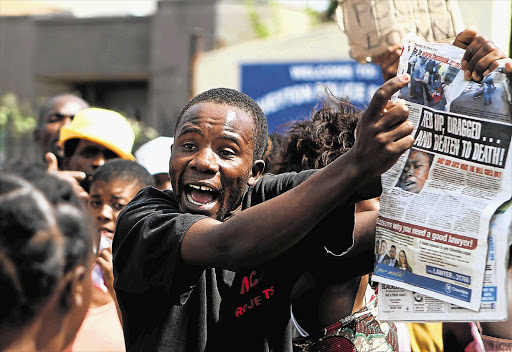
{"x": 394, "y": 301}
{"x": 438, "y": 199}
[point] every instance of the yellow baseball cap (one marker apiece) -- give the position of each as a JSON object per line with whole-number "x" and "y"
{"x": 105, "y": 127}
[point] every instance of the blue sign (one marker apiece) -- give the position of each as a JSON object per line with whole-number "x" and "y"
{"x": 290, "y": 91}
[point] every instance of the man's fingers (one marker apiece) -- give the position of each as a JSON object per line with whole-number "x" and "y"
{"x": 471, "y": 50}
{"x": 465, "y": 37}
{"x": 74, "y": 178}
{"x": 397, "y": 132}
{"x": 508, "y": 66}
{"x": 400, "y": 145}
{"x": 483, "y": 60}
{"x": 77, "y": 175}
{"x": 392, "y": 103}
{"x": 383, "y": 94}
{"x": 51, "y": 162}
{"x": 495, "y": 64}
{"x": 393, "y": 116}
{"x": 106, "y": 254}
{"x": 53, "y": 166}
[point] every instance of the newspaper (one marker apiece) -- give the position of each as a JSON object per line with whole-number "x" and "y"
{"x": 394, "y": 301}
{"x": 438, "y": 199}
{"x": 372, "y": 26}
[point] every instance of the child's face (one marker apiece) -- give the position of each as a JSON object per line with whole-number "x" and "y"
{"x": 106, "y": 200}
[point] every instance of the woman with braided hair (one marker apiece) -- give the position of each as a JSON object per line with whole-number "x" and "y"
{"x": 45, "y": 277}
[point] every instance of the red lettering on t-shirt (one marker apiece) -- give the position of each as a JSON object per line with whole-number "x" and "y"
{"x": 238, "y": 312}
{"x": 254, "y": 302}
{"x": 269, "y": 292}
{"x": 249, "y": 281}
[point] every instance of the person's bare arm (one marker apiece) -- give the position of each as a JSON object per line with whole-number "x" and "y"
{"x": 266, "y": 230}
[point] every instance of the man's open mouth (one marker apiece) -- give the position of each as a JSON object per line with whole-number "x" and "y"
{"x": 201, "y": 195}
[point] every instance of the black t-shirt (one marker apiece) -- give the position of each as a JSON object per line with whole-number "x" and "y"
{"x": 168, "y": 305}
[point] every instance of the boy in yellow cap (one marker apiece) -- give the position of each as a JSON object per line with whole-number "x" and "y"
{"x": 95, "y": 136}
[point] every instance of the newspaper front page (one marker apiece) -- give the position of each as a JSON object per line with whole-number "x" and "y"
{"x": 394, "y": 301}
{"x": 438, "y": 199}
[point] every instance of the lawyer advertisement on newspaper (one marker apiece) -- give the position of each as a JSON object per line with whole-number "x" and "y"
{"x": 394, "y": 301}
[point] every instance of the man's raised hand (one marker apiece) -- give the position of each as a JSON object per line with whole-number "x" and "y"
{"x": 73, "y": 177}
{"x": 384, "y": 131}
{"x": 481, "y": 57}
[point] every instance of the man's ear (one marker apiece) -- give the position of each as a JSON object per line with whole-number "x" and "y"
{"x": 257, "y": 170}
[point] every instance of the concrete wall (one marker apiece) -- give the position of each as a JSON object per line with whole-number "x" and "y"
{"x": 137, "y": 65}
{"x": 492, "y": 17}
{"x": 174, "y": 27}
{"x": 277, "y": 18}
{"x": 93, "y": 49}
{"x": 17, "y": 51}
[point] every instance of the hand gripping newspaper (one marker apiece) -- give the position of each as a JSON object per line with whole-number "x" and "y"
{"x": 439, "y": 257}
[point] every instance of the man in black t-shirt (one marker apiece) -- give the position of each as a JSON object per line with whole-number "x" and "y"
{"x": 209, "y": 265}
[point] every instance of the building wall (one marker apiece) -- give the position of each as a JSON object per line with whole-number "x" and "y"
{"x": 175, "y": 26}
{"x": 105, "y": 59}
{"x": 492, "y": 17}
{"x": 137, "y": 65}
{"x": 93, "y": 49}
{"x": 43, "y": 56}
{"x": 221, "y": 67}
{"x": 235, "y": 25}
{"x": 17, "y": 50}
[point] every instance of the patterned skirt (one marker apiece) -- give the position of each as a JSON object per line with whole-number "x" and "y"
{"x": 360, "y": 331}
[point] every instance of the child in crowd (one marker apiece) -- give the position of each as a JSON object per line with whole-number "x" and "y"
{"x": 112, "y": 186}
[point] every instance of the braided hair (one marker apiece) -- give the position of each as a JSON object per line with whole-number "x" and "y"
{"x": 32, "y": 255}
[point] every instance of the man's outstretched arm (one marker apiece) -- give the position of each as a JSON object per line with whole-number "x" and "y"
{"x": 261, "y": 232}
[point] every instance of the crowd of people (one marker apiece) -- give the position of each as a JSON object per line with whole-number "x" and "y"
{"x": 221, "y": 238}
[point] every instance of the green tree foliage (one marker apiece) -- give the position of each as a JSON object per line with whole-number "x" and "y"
{"x": 257, "y": 24}
{"x": 143, "y": 133}
{"x": 16, "y": 116}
